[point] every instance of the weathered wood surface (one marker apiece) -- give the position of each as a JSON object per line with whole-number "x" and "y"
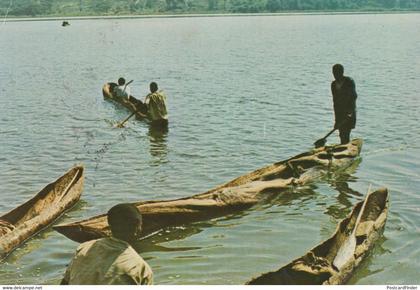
{"x": 107, "y": 93}
{"x": 39, "y": 212}
{"x": 238, "y": 194}
{"x": 316, "y": 266}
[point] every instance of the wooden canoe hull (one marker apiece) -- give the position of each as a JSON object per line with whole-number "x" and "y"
{"x": 107, "y": 93}
{"x": 36, "y": 214}
{"x": 316, "y": 266}
{"x": 238, "y": 194}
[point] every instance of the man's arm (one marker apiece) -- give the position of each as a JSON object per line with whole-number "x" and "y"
{"x": 127, "y": 92}
{"x": 352, "y": 99}
{"x": 144, "y": 273}
{"x": 353, "y": 89}
{"x": 333, "y": 92}
{"x": 147, "y": 99}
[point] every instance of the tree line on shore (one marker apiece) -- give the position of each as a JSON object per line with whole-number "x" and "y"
{"x": 128, "y": 7}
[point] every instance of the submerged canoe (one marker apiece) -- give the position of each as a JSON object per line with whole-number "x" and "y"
{"x": 238, "y": 194}
{"x": 316, "y": 266}
{"x": 39, "y": 212}
{"x": 130, "y": 105}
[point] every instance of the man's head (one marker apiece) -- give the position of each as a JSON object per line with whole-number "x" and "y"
{"x": 338, "y": 71}
{"x": 121, "y": 81}
{"x": 153, "y": 87}
{"x": 125, "y": 222}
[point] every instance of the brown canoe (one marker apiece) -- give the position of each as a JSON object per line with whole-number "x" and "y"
{"x": 130, "y": 105}
{"x": 238, "y": 194}
{"x": 316, "y": 266}
{"x": 39, "y": 212}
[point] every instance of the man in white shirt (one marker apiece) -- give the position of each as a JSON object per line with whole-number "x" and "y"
{"x": 111, "y": 260}
{"x": 122, "y": 90}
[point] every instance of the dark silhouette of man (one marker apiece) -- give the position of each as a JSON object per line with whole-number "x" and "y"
{"x": 344, "y": 95}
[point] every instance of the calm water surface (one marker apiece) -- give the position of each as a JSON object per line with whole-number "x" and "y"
{"x": 243, "y": 92}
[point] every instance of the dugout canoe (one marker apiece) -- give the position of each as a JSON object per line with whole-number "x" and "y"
{"x": 36, "y": 214}
{"x": 238, "y": 194}
{"x": 130, "y": 105}
{"x": 316, "y": 266}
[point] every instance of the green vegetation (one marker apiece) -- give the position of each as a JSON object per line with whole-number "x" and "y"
{"x": 130, "y": 7}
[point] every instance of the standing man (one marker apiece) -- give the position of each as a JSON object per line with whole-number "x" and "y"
{"x": 111, "y": 260}
{"x": 156, "y": 106}
{"x": 344, "y": 94}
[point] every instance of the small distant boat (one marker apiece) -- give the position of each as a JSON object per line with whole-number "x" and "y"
{"x": 45, "y": 207}
{"x": 107, "y": 92}
{"x": 65, "y": 23}
{"x": 316, "y": 266}
{"x": 236, "y": 195}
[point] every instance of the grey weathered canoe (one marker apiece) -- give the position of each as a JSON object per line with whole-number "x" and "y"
{"x": 131, "y": 106}
{"x": 238, "y": 194}
{"x": 316, "y": 266}
{"x": 39, "y": 212}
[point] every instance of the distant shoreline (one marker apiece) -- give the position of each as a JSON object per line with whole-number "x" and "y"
{"x": 187, "y": 15}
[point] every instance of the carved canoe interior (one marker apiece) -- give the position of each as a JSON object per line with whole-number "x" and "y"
{"x": 316, "y": 266}
{"x": 52, "y": 201}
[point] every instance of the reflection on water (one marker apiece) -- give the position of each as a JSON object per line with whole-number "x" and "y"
{"x": 364, "y": 269}
{"x": 152, "y": 243}
{"x": 34, "y": 244}
{"x": 287, "y": 196}
{"x": 339, "y": 180}
{"x": 344, "y": 204}
{"x": 158, "y": 136}
{"x": 344, "y": 198}
{"x": 15, "y": 273}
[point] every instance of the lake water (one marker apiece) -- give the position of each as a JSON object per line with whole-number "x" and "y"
{"x": 243, "y": 92}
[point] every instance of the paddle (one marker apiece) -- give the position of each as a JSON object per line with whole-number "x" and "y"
{"x": 346, "y": 251}
{"x": 121, "y": 124}
{"x": 321, "y": 142}
{"x": 127, "y": 85}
